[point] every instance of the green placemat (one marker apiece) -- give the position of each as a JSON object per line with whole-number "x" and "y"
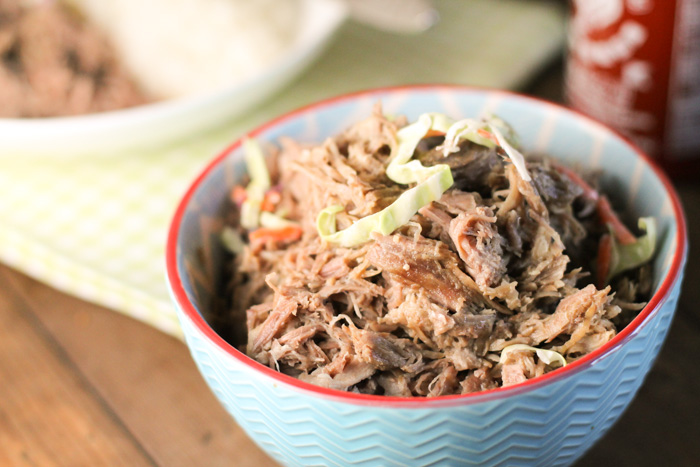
{"x": 96, "y": 226}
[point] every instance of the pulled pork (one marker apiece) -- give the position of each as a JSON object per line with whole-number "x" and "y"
{"x": 426, "y": 310}
{"x": 54, "y": 63}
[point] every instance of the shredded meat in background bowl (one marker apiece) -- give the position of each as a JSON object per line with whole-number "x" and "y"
{"x": 487, "y": 285}
{"x": 54, "y": 63}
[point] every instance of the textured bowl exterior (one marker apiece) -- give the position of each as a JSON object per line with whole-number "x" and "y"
{"x": 551, "y": 425}
{"x": 549, "y": 421}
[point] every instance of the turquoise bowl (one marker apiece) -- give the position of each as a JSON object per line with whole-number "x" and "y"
{"x": 551, "y": 420}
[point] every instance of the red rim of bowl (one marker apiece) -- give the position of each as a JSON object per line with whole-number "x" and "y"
{"x": 656, "y": 301}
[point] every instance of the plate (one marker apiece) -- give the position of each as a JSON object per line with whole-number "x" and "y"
{"x": 165, "y": 121}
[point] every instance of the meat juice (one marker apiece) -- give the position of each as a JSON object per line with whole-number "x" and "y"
{"x": 635, "y": 66}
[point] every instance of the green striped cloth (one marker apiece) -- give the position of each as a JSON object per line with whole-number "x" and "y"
{"x": 96, "y": 226}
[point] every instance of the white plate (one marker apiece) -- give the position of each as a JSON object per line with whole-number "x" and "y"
{"x": 160, "y": 122}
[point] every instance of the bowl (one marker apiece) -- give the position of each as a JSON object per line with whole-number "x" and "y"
{"x": 550, "y": 420}
{"x": 164, "y": 121}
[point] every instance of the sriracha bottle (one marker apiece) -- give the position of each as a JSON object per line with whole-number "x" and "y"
{"x": 635, "y": 66}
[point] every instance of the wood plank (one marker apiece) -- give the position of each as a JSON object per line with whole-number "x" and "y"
{"x": 148, "y": 378}
{"x": 49, "y": 415}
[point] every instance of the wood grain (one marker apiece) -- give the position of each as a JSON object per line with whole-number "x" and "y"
{"x": 144, "y": 376}
{"x": 49, "y": 414}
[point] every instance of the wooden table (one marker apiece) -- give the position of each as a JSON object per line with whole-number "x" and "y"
{"x": 81, "y": 385}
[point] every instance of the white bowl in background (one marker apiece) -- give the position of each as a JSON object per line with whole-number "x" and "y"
{"x": 157, "y": 123}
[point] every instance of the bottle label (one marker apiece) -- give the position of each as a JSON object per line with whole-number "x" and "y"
{"x": 618, "y": 66}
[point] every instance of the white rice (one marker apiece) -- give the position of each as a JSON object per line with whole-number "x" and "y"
{"x": 179, "y": 47}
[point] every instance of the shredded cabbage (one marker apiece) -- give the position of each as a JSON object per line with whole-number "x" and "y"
{"x": 626, "y": 257}
{"x": 431, "y": 181}
{"x": 504, "y": 134}
{"x": 274, "y": 221}
{"x": 515, "y": 157}
{"x": 507, "y": 130}
{"x": 259, "y": 184}
{"x": 400, "y": 170}
{"x": 465, "y": 129}
{"x": 388, "y": 219}
{"x": 232, "y": 240}
{"x": 548, "y": 356}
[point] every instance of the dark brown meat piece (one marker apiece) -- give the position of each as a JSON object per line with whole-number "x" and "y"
{"x": 478, "y": 328}
{"x": 558, "y": 193}
{"x": 556, "y": 190}
{"x": 425, "y": 263}
{"x": 384, "y": 350}
{"x": 472, "y": 166}
{"x": 480, "y": 246}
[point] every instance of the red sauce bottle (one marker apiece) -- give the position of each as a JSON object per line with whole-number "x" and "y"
{"x": 635, "y": 66}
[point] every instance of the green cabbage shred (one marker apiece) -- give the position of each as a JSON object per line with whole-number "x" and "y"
{"x": 388, "y": 219}
{"x": 258, "y": 185}
{"x": 431, "y": 182}
{"x": 626, "y": 257}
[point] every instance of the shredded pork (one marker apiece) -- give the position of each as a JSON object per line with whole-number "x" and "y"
{"x": 54, "y": 63}
{"x": 427, "y": 309}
